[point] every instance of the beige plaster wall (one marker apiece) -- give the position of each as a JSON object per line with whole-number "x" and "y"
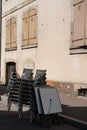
{"x": 53, "y": 54}
{"x": 54, "y": 43}
{"x": 22, "y": 57}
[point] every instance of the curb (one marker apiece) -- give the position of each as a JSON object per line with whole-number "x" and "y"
{"x": 74, "y": 121}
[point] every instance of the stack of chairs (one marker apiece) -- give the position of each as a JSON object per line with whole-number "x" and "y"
{"x": 39, "y": 81}
{"x": 13, "y": 90}
{"x": 21, "y": 90}
{"x": 26, "y": 90}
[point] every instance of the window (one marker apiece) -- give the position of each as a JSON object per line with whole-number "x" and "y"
{"x": 29, "y": 35}
{"x": 79, "y": 28}
{"x": 11, "y": 33}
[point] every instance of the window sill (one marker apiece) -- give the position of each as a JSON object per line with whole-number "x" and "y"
{"x": 81, "y": 50}
{"x": 11, "y": 49}
{"x": 29, "y": 46}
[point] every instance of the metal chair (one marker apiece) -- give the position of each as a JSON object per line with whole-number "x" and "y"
{"x": 19, "y": 90}
{"x": 13, "y": 89}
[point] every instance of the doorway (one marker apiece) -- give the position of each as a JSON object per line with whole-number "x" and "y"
{"x": 10, "y": 67}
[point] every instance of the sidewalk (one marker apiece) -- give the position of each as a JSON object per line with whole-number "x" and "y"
{"x": 74, "y": 108}
{"x": 10, "y": 121}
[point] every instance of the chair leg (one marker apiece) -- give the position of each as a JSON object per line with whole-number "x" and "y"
{"x": 9, "y": 105}
{"x": 20, "y": 112}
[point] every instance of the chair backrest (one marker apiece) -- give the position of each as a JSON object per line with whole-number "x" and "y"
{"x": 14, "y": 75}
{"x": 27, "y": 74}
{"x": 40, "y": 77}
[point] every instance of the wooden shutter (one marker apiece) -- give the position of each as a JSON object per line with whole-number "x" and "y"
{"x": 32, "y": 26}
{"x": 71, "y": 34}
{"x": 85, "y": 22}
{"x": 25, "y": 30}
{"x": 8, "y": 36}
{"x": 13, "y": 32}
{"x": 78, "y": 36}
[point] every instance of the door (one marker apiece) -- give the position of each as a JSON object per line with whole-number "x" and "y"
{"x": 10, "y": 67}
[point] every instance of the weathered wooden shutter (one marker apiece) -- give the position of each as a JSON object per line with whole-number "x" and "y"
{"x": 78, "y": 36}
{"x": 8, "y": 36}
{"x": 25, "y": 30}
{"x": 32, "y": 26}
{"x": 13, "y": 32}
{"x": 85, "y": 22}
{"x": 72, "y": 33}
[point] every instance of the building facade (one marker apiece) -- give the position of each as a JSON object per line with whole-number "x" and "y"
{"x": 46, "y": 34}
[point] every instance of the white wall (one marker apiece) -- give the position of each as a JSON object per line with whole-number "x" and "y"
{"x": 54, "y": 18}
{"x": 54, "y": 43}
{"x": 19, "y": 56}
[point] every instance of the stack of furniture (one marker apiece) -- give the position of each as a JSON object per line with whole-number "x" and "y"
{"x": 41, "y": 99}
{"x": 20, "y": 90}
{"x": 13, "y": 90}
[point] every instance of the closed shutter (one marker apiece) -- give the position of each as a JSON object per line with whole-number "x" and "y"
{"x": 13, "y": 32}
{"x": 8, "y": 36}
{"x": 72, "y": 33}
{"x": 32, "y": 26}
{"x": 25, "y": 30}
{"x": 78, "y": 36}
{"x": 85, "y": 22}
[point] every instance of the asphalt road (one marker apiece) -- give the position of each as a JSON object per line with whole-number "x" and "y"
{"x": 15, "y": 124}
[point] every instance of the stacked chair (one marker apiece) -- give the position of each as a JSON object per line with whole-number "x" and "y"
{"x": 45, "y": 116}
{"x": 27, "y": 85}
{"x": 26, "y": 91}
{"x": 20, "y": 90}
{"x": 40, "y": 78}
{"x": 13, "y": 90}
